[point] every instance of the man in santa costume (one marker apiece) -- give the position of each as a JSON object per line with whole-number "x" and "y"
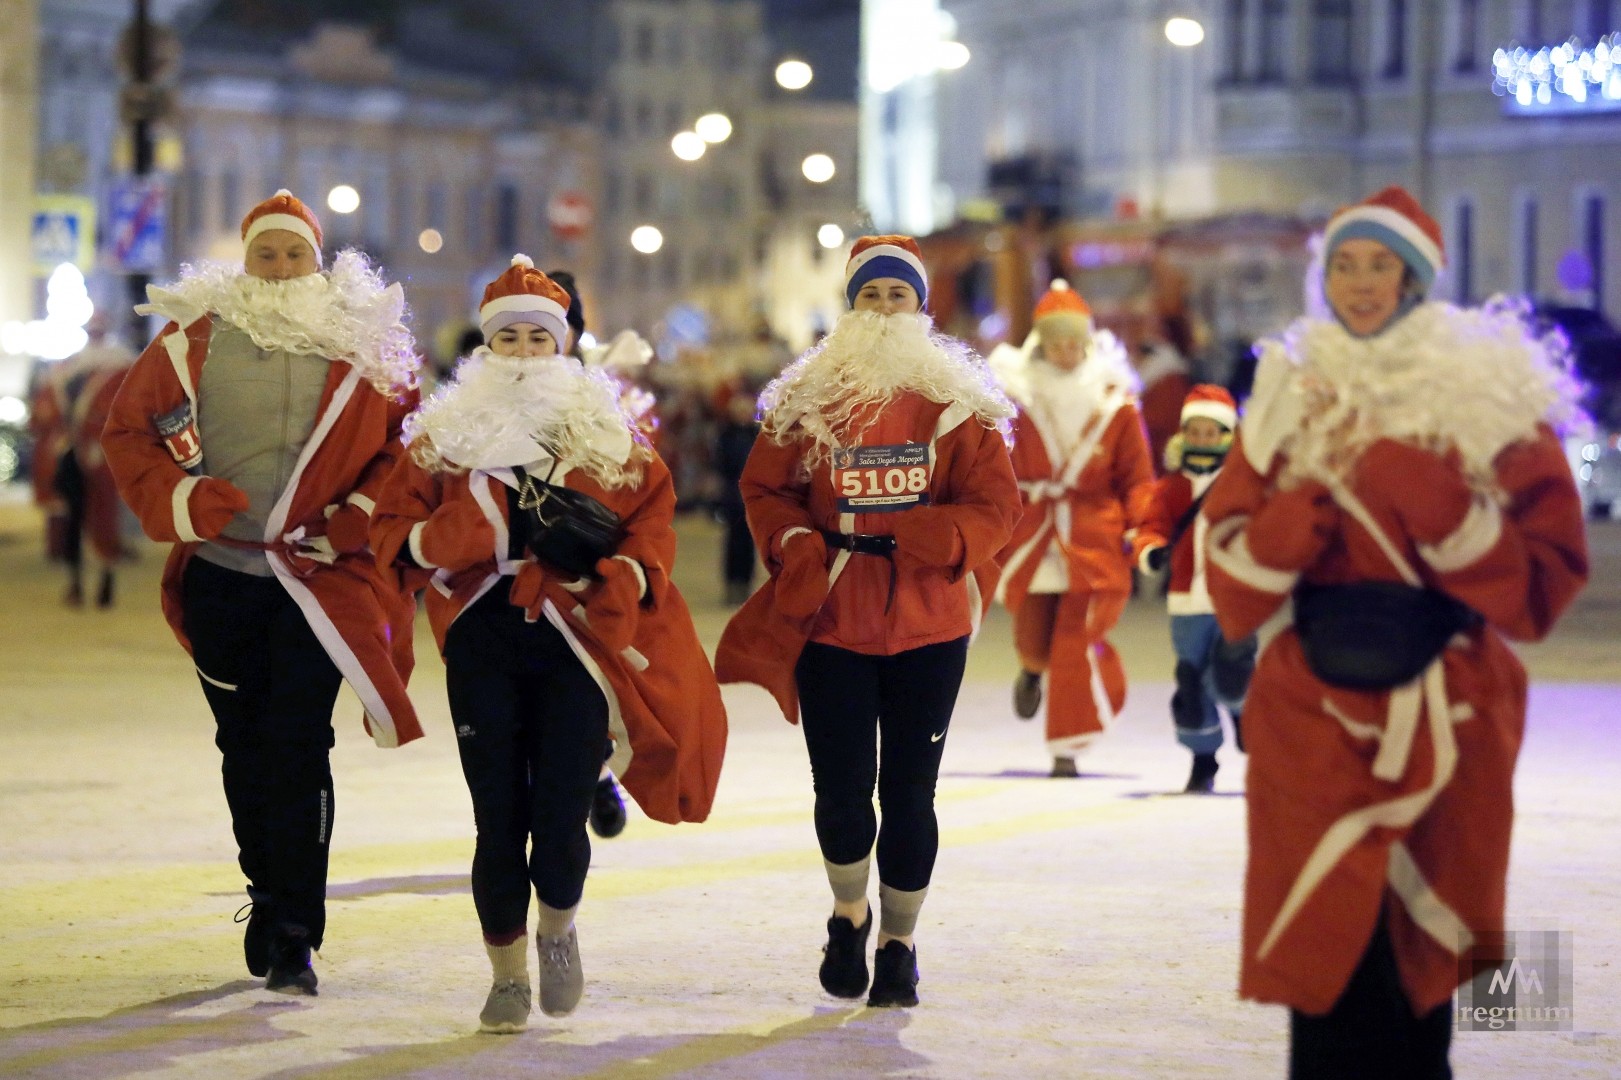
{"x": 255, "y": 433}
{"x": 1398, "y": 475}
{"x": 878, "y": 494}
{"x": 1086, "y": 478}
{"x": 1210, "y": 671}
{"x": 545, "y": 661}
{"x": 71, "y": 475}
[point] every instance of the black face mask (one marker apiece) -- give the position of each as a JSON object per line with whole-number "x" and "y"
{"x": 1203, "y": 460}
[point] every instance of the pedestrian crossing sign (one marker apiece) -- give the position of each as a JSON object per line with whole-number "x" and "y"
{"x": 62, "y": 230}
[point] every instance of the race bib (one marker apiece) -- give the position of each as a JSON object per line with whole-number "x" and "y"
{"x": 178, "y": 430}
{"x": 880, "y": 479}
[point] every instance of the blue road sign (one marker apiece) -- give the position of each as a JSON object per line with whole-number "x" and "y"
{"x": 61, "y": 231}
{"x": 138, "y": 224}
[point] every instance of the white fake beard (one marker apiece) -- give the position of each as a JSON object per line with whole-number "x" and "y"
{"x": 345, "y": 314}
{"x": 502, "y": 411}
{"x": 867, "y": 359}
{"x": 1474, "y": 380}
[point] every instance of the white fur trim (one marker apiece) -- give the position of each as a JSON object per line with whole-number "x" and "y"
{"x": 179, "y": 500}
{"x": 1225, "y": 415}
{"x": 178, "y": 346}
{"x": 367, "y": 506}
{"x": 414, "y": 542}
{"x": 858, "y": 261}
{"x": 1228, "y": 549}
{"x": 288, "y": 222}
{"x": 524, "y": 303}
{"x": 787, "y": 535}
{"x": 641, "y": 575}
{"x": 1397, "y": 222}
{"x": 1476, "y": 535}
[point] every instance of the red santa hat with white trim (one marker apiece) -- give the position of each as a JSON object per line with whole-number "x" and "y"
{"x": 288, "y": 213}
{"x": 1395, "y": 219}
{"x": 525, "y": 295}
{"x": 1062, "y": 311}
{"x": 1212, "y": 403}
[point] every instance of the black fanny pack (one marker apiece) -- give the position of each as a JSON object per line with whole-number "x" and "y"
{"x": 565, "y": 528}
{"x": 1375, "y": 635}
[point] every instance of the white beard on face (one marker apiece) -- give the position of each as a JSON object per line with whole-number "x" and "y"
{"x": 502, "y": 411}
{"x": 344, "y": 314}
{"x": 866, "y": 360}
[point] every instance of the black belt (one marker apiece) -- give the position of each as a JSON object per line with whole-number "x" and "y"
{"x": 867, "y": 544}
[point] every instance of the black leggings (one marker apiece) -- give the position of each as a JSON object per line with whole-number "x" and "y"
{"x": 1371, "y": 1030}
{"x": 271, "y": 687}
{"x": 531, "y": 723}
{"x": 848, "y": 702}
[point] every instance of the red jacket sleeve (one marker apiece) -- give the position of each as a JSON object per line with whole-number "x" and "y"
{"x": 146, "y": 473}
{"x": 1132, "y": 468}
{"x": 1245, "y": 593}
{"x": 985, "y": 504}
{"x": 776, "y": 496}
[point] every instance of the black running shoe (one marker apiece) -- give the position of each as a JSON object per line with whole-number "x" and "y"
{"x": 844, "y": 957}
{"x": 1026, "y": 695}
{"x": 607, "y": 809}
{"x": 894, "y": 977}
{"x": 290, "y": 970}
{"x": 256, "y": 935}
{"x": 1202, "y": 780}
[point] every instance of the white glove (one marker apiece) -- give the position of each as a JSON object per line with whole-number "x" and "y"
{"x": 1275, "y": 410}
{"x": 625, "y": 352}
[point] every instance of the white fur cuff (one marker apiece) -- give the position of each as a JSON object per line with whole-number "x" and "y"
{"x": 415, "y": 544}
{"x": 367, "y": 506}
{"x": 641, "y": 576}
{"x": 1476, "y": 535}
{"x": 180, "y": 503}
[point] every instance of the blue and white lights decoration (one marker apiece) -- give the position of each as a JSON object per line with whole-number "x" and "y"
{"x": 1566, "y": 78}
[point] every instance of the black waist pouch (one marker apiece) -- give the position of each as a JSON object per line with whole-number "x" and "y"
{"x": 1375, "y": 635}
{"x": 565, "y": 528}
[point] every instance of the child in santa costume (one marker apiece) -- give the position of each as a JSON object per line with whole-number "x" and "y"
{"x": 255, "y": 432}
{"x": 1209, "y": 670}
{"x": 1086, "y": 479}
{"x": 1398, "y": 476}
{"x": 71, "y": 475}
{"x": 543, "y": 662}
{"x": 878, "y": 494}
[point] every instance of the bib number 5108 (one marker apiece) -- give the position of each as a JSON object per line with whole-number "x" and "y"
{"x": 855, "y": 482}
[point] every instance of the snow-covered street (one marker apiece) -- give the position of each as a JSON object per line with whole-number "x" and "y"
{"x": 1076, "y": 928}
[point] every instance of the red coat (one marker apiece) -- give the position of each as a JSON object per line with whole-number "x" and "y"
{"x": 363, "y": 622}
{"x": 1400, "y": 798}
{"x": 1188, "y": 591}
{"x": 664, "y": 706}
{"x": 1089, "y": 502}
{"x": 971, "y": 476}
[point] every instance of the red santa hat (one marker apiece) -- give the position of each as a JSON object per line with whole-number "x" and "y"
{"x": 287, "y": 212}
{"x": 1395, "y": 219}
{"x": 1212, "y": 403}
{"x": 890, "y": 256}
{"x": 525, "y": 295}
{"x": 1062, "y": 311}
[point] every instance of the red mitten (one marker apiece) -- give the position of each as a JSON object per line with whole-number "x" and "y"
{"x": 615, "y": 605}
{"x": 802, "y": 582}
{"x": 347, "y": 528}
{"x": 927, "y": 535}
{"x": 532, "y": 586}
{"x": 1293, "y": 526}
{"x": 457, "y": 536}
{"x": 1427, "y": 494}
{"x": 212, "y": 504}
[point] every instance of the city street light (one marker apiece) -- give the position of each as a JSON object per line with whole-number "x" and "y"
{"x": 688, "y": 145}
{"x": 793, "y": 74}
{"x": 343, "y": 199}
{"x": 646, "y": 239}
{"x": 950, "y": 55}
{"x": 1184, "y": 33}
{"x": 713, "y": 127}
{"x": 818, "y": 168}
{"x": 830, "y": 235}
{"x": 430, "y": 240}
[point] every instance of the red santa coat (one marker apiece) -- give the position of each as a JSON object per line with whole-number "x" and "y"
{"x": 362, "y": 620}
{"x": 1401, "y": 798}
{"x": 971, "y": 477}
{"x": 1187, "y": 591}
{"x": 664, "y": 707}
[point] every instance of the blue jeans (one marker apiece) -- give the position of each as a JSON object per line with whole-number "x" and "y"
{"x": 1198, "y": 724}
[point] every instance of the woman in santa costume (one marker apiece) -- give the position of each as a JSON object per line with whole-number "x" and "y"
{"x": 1086, "y": 479}
{"x": 255, "y": 432}
{"x": 1210, "y": 671}
{"x": 878, "y": 494}
{"x": 544, "y": 661}
{"x": 1399, "y": 477}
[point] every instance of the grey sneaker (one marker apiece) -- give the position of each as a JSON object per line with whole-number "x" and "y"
{"x": 561, "y": 979}
{"x": 506, "y": 1010}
